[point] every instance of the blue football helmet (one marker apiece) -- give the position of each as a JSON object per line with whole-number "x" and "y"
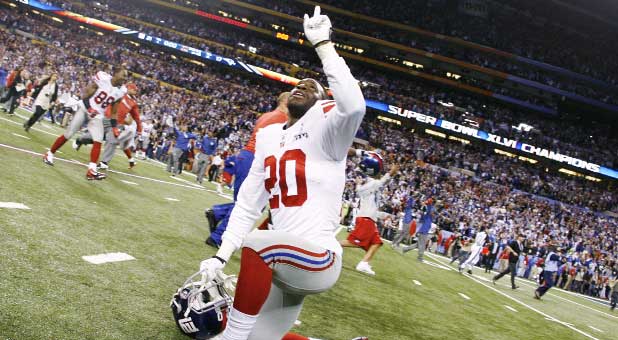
{"x": 371, "y": 163}
{"x": 201, "y": 308}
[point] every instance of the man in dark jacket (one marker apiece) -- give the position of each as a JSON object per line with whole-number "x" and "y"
{"x": 514, "y": 248}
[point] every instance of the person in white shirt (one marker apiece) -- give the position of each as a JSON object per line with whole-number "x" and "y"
{"x": 365, "y": 234}
{"x": 475, "y": 252}
{"x": 45, "y": 94}
{"x": 299, "y": 170}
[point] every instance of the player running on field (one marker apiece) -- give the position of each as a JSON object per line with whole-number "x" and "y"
{"x": 101, "y": 93}
{"x": 126, "y": 113}
{"x": 475, "y": 252}
{"x": 366, "y": 234}
{"x": 299, "y": 169}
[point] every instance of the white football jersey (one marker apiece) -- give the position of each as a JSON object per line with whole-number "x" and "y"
{"x": 369, "y": 194}
{"x": 106, "y": 94}
{"x": 300, "y": 170}
{"x": 479, "y": 241}
{"x": 146, "y": 129}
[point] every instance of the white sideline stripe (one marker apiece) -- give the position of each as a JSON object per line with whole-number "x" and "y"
{"x": 553, "y": 320}
{"x": 573, "y": 302}
{"x": 172, "y": 199}
{"x": 108, "y": 257}
{"x": 526, "y": 305}
{"x": 298, "y": 323}
{"x": 114, "y": 171}
{"x": 464, "y": 296}
{"x": 527, "y": 283}
{"x": 128, "y": 182}
{"x": 20, "y": 136}
{"x": 32, "y": 128}
{"x": 417, "y": 283}
{"x": 596, "y": 329}
{"x": 13, "y": 205}
{"x": 510, "y": 308}
{"x": 437, "y": 265}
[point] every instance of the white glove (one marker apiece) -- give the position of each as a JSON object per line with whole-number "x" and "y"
{"x": 210, "y": 267}
{"x": 317, "y": 28}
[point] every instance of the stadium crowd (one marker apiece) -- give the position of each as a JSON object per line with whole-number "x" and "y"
{"x": 505, "y": 195}
{"x": 553, "y": 134}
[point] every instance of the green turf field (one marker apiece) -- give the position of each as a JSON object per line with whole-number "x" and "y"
{"x": 47, "y": 291}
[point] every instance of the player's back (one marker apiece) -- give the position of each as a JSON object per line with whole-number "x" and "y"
{"x": 305, "y": 185}
{"x": 268, "y": 118}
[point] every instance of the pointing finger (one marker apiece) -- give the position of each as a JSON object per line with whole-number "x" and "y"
{"x": 316, "y": 11}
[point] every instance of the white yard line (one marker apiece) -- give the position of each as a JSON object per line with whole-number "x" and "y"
{"x": 171, "y": 199}
{"x": 14, "y": 205}
{"x": 108, "y": 257}
{"x": 417, "y": 283}
{"x": 32, "y": 128}
{"x": 128, "y": 182}
{"x": 596, "y": 329}
{"x": 510, "y": 308}
{"x": 464, "y": 296}
{"x": 20, "y": 136}
{"x": 114, "y": 171}
{"x": 549, "y": 317}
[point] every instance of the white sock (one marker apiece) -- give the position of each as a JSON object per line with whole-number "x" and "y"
{"x": 239, "y": 325}
{"x": 92, "y": 166}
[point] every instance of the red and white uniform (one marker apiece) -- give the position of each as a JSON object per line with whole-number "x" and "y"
{"x": 300, "y": 171}
{"x": 105, "y": 95}
{"x": 365, "y": 231}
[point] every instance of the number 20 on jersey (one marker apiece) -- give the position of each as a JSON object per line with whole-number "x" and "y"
{"x": 297, "y": 158}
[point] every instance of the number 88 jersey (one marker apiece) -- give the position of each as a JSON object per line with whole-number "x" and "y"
{"x": 105, "y": 95}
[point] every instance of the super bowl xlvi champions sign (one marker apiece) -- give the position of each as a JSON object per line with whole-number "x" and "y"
{"x": 495, "y": 139}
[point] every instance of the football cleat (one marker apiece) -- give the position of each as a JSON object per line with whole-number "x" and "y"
{"x": 48, "y": 158}
{"x": 103, "y": 166}
{"x": 364, "y": 267}
{"x": 76, "y": 144}
{"x": 93, "y": 175}
{"x": 131, "y": 163}
{"x": 26, "y": 127}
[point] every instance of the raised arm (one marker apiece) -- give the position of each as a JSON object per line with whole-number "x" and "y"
{"x": 343, "y": 121}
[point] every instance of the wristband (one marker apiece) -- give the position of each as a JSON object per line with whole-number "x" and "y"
{"x": 220, "y": 259}
{"x": 113, "y": 122}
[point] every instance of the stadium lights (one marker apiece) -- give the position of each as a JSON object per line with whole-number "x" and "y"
{"x": 58, "y": 20}
{"x": 12, "y": 5}
{"x": 447, "y": 104}
{"x": 570, "y": 172}
{"x": 455, "y": 138}
{"x": 435, "y": 133}
{"x": 526, "y": 159}
{"x": 390, "y": 120}
{"x": 412, "y": 65}
{"x": 453, "y": 75}
{"x": 523, "y": 127}
{"x": 594, "y": 179}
